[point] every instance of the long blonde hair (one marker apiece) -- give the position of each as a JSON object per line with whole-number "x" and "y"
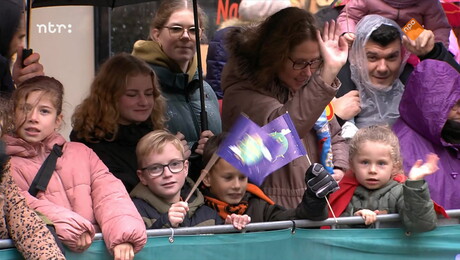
{"x": 96, "y": 118}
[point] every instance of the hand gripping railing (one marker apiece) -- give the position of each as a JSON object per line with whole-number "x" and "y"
{"x": 383, "y": 221}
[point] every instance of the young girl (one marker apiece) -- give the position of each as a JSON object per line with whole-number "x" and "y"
{"x": 372, "y": 186}
{"x": 82, "y": 196}
{"x": 17, "y": 221}
{"x": 123, "y": 105}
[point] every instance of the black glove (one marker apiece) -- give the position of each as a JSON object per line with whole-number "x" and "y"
{"x": 319, "y": 181}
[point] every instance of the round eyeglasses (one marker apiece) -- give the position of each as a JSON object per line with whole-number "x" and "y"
{"x": 176, "y": 31}
{"x": 156, "y": 170}
{"x": 300, "y": 65}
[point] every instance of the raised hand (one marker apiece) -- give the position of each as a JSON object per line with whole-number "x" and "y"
{"x": 334, "y": 51}
{"x": 420, "y": 169}
{"x": 187, "y": 151}
{"x": 422, "y": 45}
{"x": 32, "y": 67}
{"x": 177, "y": 213}
{"x": 124, "y": 251}
{"x": 238, "y": 221}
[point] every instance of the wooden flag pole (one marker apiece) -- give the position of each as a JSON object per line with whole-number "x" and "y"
{"x": 205, "y": 171}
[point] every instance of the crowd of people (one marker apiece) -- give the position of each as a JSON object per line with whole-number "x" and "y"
{"x": 139, "y": 142}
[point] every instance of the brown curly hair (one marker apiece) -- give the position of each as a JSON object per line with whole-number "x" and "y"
{"x": 96, "y": 118}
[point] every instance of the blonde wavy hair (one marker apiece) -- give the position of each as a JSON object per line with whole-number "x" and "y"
{"x": 379, "y": 134}
{"x": 96, "y": 118}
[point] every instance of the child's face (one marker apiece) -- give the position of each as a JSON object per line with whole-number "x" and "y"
{"x": 373, "y": 165}
{"x": 37, "y": 118}
{"x": 168, "y": 185}
{"x": 136, "y": 104}
{"x": 226, "y": 182}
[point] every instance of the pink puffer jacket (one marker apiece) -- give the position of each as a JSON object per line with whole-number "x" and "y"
{"x": 81, "y": 196}
{"x": 428, "y": 13}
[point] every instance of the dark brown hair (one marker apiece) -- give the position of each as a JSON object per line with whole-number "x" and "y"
{"x": 266, "y": 46}
{"x": 49, "y": 86}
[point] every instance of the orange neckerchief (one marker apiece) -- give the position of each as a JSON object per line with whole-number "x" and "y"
{"x": 224, "y": 209}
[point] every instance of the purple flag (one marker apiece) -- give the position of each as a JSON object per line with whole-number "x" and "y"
{"x": 291, "y": 147}
{"x": 256, "y": 151}
{"x": 249, "y": 149}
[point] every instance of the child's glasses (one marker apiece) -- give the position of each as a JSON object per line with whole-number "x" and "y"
{"x": 156, "y": 170}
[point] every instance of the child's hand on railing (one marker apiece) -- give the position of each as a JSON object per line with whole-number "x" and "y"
{"x": 420, "y": 169}
{"x": 238, "y": 221}
{"x": 369, "y": 216}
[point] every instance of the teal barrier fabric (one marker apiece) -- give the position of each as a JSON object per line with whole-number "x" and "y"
{"x": 375, "y": 244}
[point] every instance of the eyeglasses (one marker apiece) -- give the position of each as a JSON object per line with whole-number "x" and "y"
{"x": 300, "y": 65}
{"x": 177, "y": 31}
{"x": 156, "y": 170}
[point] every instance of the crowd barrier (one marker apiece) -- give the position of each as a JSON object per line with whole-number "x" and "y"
{"x": 298, "y": 239}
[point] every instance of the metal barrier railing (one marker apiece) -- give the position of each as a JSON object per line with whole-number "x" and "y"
{"x": 383, "y": 221}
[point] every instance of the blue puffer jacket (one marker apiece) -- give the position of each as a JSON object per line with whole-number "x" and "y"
{"x": 183, "y": 101}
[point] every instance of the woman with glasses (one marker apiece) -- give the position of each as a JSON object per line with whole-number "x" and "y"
{"x": 285, "y": 65}
{"x": 170, "y": 51}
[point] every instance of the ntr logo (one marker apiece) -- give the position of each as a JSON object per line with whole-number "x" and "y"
{"x": 54, "y": 28}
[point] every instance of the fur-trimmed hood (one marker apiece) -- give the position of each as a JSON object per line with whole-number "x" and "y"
{"x": 242, "y": 66}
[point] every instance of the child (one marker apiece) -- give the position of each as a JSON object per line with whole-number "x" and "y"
{"x": 428, "y": 13}
{"x": 17, "y": 221}
{"x": 82, "y": 196}
{"x": 164, "y": 184}
{"x": 375, "y": 165}
{"x": 227, "y": 190}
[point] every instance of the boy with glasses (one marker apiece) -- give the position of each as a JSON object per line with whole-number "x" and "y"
{"x": 164, "y": 184}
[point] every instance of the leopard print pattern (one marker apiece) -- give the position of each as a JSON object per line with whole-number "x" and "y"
{"x": 20, "y": 223}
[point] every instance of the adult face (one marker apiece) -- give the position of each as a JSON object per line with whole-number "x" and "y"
{"x": 169, "y": 184}
{"x": 136, "y": 104}
{"x": 180, "y": 47}
{"x": 291, "y": 74}
{"x": 373, "y": 165}
{"x": 383, "y": 62}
